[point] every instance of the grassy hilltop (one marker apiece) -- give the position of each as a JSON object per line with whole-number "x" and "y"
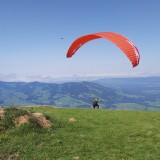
{"x": 94, "y": 135}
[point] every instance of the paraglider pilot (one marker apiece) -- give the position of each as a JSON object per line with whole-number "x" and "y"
{"x": 95, "y": 103}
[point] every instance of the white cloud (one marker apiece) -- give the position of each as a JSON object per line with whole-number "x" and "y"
{"x": 68, "y": 78}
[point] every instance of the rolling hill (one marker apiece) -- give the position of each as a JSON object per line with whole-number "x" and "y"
{"x": 142, "y": 91}
{"x": 118, "y": 93}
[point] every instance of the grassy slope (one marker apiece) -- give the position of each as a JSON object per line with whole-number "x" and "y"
{"x": 96, "y": 135}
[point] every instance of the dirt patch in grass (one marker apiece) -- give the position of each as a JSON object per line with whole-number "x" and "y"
{"x": 72, "y": 120}
{"x": 21, "y": 120}
{"x": 1, "y": 114}
{"x": 14, "y": 117}
{"x": 14, "y": 156}
{"x": 41, "y": 120}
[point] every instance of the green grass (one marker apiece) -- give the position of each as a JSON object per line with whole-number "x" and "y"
{"x": 96, "y": 135}
{"x": 129, "y": 106}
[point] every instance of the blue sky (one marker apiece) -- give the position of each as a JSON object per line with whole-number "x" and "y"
{"x": 31, "y": 47}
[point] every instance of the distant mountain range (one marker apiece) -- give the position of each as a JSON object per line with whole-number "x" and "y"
{"x": 115, "y": 93}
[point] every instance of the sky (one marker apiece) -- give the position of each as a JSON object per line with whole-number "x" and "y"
{"x": 35, "y": 36}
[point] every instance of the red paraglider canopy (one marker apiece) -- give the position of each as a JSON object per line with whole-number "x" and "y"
{"x": 120, "y": 41}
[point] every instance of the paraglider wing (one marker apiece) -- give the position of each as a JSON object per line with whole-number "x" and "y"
{"x": 120, "y": 41}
